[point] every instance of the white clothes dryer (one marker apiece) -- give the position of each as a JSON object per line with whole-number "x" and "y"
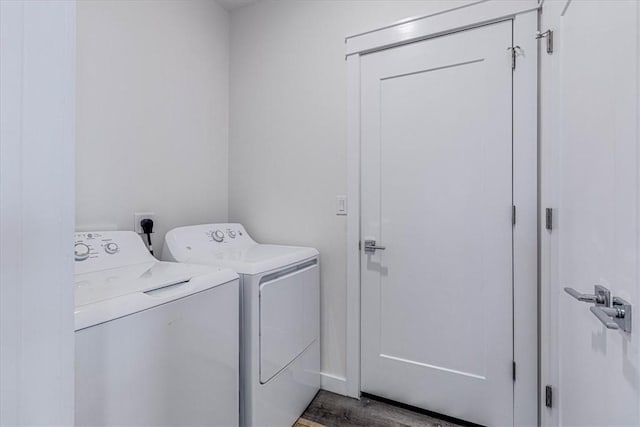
{"x": 280, "y": 316}
{"x": 156, "y": 342}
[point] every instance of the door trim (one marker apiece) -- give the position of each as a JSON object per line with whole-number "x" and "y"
{"x": 37, "y": 211}
{"x": 525, "y": 176}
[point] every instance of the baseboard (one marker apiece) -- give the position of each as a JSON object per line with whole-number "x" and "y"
{"x": 333, "y": 383}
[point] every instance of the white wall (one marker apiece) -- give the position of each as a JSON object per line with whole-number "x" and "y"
{"x": 288, "y": 134}
{"x": 37, "y": 51}
{"x": 152, "y": 121}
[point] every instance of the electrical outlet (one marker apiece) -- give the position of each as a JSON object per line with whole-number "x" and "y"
{"x": 139, "y": 216}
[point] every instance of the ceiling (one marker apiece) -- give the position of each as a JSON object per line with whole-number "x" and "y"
{"x": 235, "y": 4}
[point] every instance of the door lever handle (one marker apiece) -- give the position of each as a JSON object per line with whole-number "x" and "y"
{"x": 597, "y": 298}
{"x": 605, "y": 314}
{"x": 614, "y": 313}
{"x": 371, "y": 248}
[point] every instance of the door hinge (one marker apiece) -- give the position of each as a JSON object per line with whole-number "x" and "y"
{"x": 548, "y": 221}
{"x": 548, "y": 396}
{"x": 514, "y": 370}
{"x": 549, "y": 36}
{"x": 513, "y": 215}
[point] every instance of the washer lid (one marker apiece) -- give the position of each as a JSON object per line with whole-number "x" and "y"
{"x": 105, "y": 295}
{"x": 106, "y": 284}
{"x": 229, "y": 245}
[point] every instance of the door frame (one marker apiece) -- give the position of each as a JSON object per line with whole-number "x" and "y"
{"x": 37, "y": 211}
{"x": 471, "y": 14}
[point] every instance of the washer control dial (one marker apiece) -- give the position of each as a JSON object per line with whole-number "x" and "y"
{"x": 231, "y": 234}
{"x": 111, "y": 248}
{"x": 81, "y": 251}
{"x": 218, "y": 236}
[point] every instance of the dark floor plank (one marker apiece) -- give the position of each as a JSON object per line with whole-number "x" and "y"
{"x": 333, "y": 410}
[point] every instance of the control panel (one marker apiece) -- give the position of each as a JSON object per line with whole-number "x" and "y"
{"x": 98, "y": 250}
{"x": 94, "y": 245}
{"x": 186, "y": 242}
{"x": 225, "y": 233}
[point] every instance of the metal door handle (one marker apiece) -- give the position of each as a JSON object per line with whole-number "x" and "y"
{"x": 597, "y": 298}
{"x": 604, "y": 315}
{"x": 614, "y": 313}
{"x": 371, "y": 248}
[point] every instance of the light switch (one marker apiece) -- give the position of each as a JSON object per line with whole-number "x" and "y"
{"x": 341, "y": 205}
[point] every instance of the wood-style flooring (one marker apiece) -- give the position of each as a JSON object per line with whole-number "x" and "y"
{"x": 332, "y": 410}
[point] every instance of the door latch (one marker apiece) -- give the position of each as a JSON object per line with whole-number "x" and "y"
{"x": 371, "y": 248}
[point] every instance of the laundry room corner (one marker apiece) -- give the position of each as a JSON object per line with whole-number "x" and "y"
{"x": 152, "y": 113}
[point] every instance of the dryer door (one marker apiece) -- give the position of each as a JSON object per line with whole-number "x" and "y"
{"x": 289, "y": 316}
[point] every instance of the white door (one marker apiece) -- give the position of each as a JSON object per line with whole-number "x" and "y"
{"x": 591, "y": 157}
{"x": 437, "y": 317}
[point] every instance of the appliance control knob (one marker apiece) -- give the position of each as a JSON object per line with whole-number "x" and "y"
{"x": 218, "y": 236}
{"x": 111, "y": 248}
{"x": 232, "y": 234}
{"x": 81, "y": 251}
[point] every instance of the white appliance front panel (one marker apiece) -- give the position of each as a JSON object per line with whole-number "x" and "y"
{"x": 289, "y": 317}
{"x": 280, "y": 401}
{"x": 172, "y": 365}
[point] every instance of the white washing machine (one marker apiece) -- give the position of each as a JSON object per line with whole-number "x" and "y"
{"x": 156, "y": 342}
{"x": 280, "y": 317}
